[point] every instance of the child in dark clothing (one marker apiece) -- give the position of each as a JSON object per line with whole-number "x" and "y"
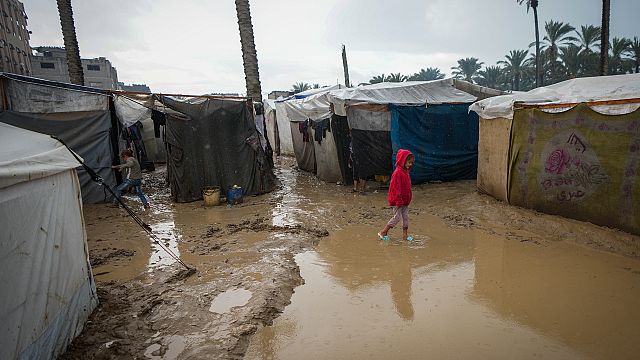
{"x": 400, "y": 195}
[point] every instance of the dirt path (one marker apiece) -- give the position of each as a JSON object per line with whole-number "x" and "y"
{"x": 244, "y": 255}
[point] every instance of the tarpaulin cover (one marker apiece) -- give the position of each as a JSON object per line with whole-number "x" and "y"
{"x": 371, "y": 141}
{"x": 26, "y": 155}
{"x": 315, "y": 107}
{"x": 443, "y": 139}
{"x": 132, "y": 109}
{"x": 342, "y": 138}
{"x": 272, "y": 125}
{"x": 46, "y": 288}
{"x": 304, "y": 94}
{"x": 327, "y": 163}
{"x": 284, "y": 130}
{"x": 86, "y": 133}
{"x": 215, "y": 144}
{"x": 32, "y": 97}
{"x": 579, "y": 164}
{"x": 407, "y": 93}
{"x": 586, "y": 89}
{"x": 303, "y": 150}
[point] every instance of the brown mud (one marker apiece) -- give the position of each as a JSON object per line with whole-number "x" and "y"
{"x": 470, "y": 252}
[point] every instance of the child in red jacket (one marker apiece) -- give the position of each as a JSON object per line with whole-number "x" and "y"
{"x": 400, "y": 195}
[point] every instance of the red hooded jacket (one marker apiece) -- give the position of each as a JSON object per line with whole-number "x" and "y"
{"x": 400, "y": 186}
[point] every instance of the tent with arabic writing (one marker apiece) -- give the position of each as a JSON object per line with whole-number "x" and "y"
{"x": 570, "y": 149}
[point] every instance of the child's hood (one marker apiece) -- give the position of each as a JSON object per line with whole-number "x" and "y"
{"x": 401, "y": 157}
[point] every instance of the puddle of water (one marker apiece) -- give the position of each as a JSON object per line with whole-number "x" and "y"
{"x": 229, "y": 299}
{"x": 460, "y": 294}
{"x": 165, "y": 231}
{"x": 171, "y": 348}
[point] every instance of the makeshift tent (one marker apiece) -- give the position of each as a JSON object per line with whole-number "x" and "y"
{"x": 140, "y": 109}
{"x": 47, "y": 290}
{"x": 315, "y": 112}
{"x": 284, "y": 130}
{"x": 310, "y": 92}
{"x": 442, "y": 134}
{"x": 214, "y": 142}
{"x": 78, "y": 115}
{"x": 570, "y": 149}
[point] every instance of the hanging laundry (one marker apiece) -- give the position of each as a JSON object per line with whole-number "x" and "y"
{"x": 159, "y": 119}
{"x": 320, "y": 129}
{"x": 303, "y": 126}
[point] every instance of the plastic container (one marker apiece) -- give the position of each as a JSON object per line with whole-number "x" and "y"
{"x": 234, "y": 195}
{"x": 211, "y": 195}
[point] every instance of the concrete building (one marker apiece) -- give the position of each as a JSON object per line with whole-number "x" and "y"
{"x": 144, "y": 88}
{"x": 50, "y": 63}
{"x": 14, "y": 38}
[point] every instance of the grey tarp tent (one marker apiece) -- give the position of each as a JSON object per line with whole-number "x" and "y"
{"x": 78, "y": 115}
{"x": 214, "y": 142}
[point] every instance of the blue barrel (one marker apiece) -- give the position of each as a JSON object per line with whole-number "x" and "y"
{"x": 234, "y": 196}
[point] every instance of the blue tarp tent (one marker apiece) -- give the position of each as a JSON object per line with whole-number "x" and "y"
{"x": 443, "y": 137}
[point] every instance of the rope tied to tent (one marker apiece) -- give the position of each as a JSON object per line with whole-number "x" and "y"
{"x": 146, "y": 227}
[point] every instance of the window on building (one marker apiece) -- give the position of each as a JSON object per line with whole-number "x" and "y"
{"x": 93, "y": 67}
{"x": 95, "y": 84}
{"x": 47, "y": 65}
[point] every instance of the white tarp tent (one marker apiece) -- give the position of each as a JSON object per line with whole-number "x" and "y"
{"x": 574, "y": 91}
{"x": 272, "y": 126}
{"x": 47, "y": 290}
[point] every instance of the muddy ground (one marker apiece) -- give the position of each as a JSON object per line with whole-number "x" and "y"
{"x": 152, "y": 308}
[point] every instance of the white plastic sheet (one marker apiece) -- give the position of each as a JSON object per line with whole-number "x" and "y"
{"x": 26, "y": 155}
{"x": 132, "y": 109}
{"x": 284, "y": 130}
{"x": 602, "y": 88}
{"x": 409, "y": 93}
{"x": 43, "y": 99}
{"x": 314, "y": 107}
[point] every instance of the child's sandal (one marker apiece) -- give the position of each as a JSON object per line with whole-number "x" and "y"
{"x": 384, "y": 238}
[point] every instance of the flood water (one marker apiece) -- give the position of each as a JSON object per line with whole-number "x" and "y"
{"x": 455, "y": 293}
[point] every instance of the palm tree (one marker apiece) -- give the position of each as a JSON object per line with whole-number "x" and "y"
{"x": 249, "y": 57}
{"x": 557, "y": 36}
{"x": 619, "y": 49}
{"x": 589, "y": 37}
{"x": 635, "y": 53}
{"x": 395, "y": 78}
{"x": 467, "y": 68}
{"x": 300, "y": 87}
{"x": 377, "y": 79}
{"x": 427, "y": 74}
{"x": 515, "y": 66}
{"x": 604, "y": 37}
{"x": 533, "y": 4}
{"x": 76, "y": 75}
{"x": 316, "y": 86}
{"x": 572, "y": 60}
{"x": 491, "y": 77}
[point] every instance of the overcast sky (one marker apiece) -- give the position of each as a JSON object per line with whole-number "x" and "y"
{"x": 193, "y": 46}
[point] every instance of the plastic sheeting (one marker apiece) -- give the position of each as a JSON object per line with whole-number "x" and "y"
{"x": 86, "y": 133}
{"x": 304, "y": 94}
{"x": 272, "y": 125}
{"x": 284, "y": 130}
{"x": 371, "y": 142}
{"x": 26, "y": 155}
{"x": 315, "y": 107}
{"x": 47, "y": 291}
{"x": 327, "y": 162}
{"x": 31, "y": 97}
{"x": 132, "y": 110}
{"x": 215, "y": 144}
{"x": 342, "y": 139}
{"x": 303, "y": 150}
{"x": 574, "y": 91}
{"x": 408, "y": 93}
{"x": 579, "y": 164}
{"x": 443, "y": 139}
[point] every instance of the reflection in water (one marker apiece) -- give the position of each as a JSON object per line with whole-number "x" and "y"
{"x": 463, "y": 294}
{"x": 165, "y": 231}
{"x": 229, "y": 299}
{"x": 285, "y": 210}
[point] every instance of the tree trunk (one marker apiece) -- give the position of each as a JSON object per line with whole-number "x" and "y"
{"x": 604, "y": 37}
{"x": 76, "y": 75}
{"x": 249, "y": 57}
{"x": 534, "y": 5}
{"x": 345, "y": 66}
{"x": 517, "y": 82}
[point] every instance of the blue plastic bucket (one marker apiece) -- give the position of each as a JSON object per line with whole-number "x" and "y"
{"x": 234, "y": 196}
